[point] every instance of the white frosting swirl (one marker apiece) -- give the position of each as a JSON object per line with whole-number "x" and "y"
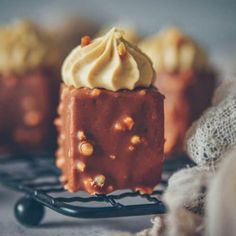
{"x": 100, "y": 65}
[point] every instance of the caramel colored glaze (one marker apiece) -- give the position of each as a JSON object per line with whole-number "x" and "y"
{"x": 28, "y": 107}
{"x": 126, "y": 131}
{"x": 187, "y": 95}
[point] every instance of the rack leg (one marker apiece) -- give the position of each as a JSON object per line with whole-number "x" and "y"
{"x": 28, "y": 211}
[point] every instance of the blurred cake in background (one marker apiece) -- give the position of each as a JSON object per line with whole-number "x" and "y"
{"x": 29, "y": 84}
{"x": 185, "y": 77}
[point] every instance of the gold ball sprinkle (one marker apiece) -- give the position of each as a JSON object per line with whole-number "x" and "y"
{"x": 99, "y": 180}
{"x": 121, "y": 49}
{"x": 129, "y": 122}
{"x": 131, "y": 148}
{"x": 142, "y": 92}
{"x": 80, "y": 135}
{"x": 86, "y": 148}
{"x": 135, "y": 139}
{"x": 80, "y": 166}
{"x": 85, "y": 40}
{"x": 118, "y": 127}
{"x": 113, "y": 157}
{"x": 95, "y": 92}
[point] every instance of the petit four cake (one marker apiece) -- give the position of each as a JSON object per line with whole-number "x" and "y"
{"x": 185, "y": 77}
{"x": 111, "y": 118}
{"x": 29, "y": 87}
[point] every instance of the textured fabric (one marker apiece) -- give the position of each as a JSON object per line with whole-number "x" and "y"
{"x": 220, "y": 204}
{"x": 188, "y": 186}
{"x": 215, "y": 132}
{"x": 185, "y": 193}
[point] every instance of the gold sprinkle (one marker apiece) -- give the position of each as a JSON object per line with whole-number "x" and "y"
{"x": 128, "y": 122}
{"x": 118, "y": 127}
{"x": 142, "y": 92}
{"x": 86, "y": 40}
{"x": 95, "y": 92}
{"x": 80, "y": 135}
{"x": 99, "y": 180}
{"x": 119, "y": 34}
{"x": 131, "y": 148}
{"x": 135, "y": 139}
{"x": 113, "y": 157}
{"x": 122, "y": 49}
{"x": 87, "y": 181}
{"x": 86, "y": 148}
{"x": 88, "y": 185}
{"x": 80, "y": 166}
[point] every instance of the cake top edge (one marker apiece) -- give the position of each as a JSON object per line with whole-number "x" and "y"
{"x": 108, "y": 62}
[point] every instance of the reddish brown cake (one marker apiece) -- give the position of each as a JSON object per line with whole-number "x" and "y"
{"x": 29, "y": 89}
{"x": 27, "y": 103}
{"x": 110, "y": 140}
{"x": 185, "y": 77}
{"x": 111, "y": 121}
{"x": 187, "y": 94}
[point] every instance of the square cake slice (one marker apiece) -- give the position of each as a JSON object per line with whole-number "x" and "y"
{"x": 110, "y": 140}
{"x": 28, "y": 104}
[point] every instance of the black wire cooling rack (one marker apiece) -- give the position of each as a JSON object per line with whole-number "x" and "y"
{"x": 36, "y": 176}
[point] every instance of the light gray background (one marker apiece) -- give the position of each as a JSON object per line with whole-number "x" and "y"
{"x": 213, "y": 22}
